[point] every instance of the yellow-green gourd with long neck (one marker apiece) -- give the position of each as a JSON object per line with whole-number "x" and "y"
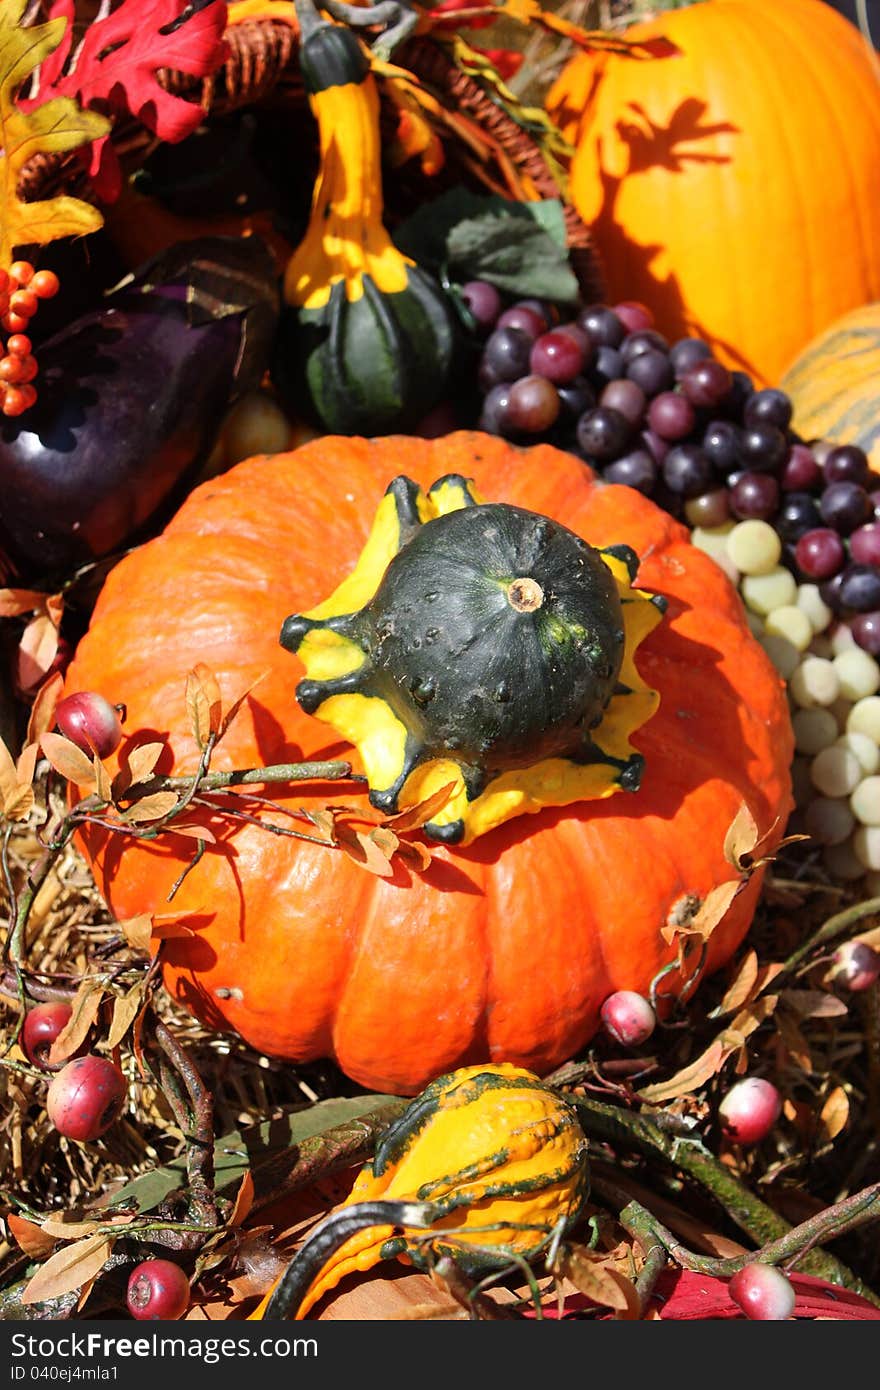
{"x": 367, "y": 337}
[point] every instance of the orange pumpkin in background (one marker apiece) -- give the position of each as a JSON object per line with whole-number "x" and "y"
{"x": 505, "y": 947}
{"x": 733, "y": 186}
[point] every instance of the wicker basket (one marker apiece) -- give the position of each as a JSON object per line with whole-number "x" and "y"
{"x": 262, "y": 72}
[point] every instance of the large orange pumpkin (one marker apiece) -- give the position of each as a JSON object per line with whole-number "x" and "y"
{"x": 734, "y": 187}
{"x": 502, "y": 950}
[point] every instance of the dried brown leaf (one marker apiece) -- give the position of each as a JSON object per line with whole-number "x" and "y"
{"x": 324, "y": 822}
{"x": 103, "y": 785}
{"x": 137, "y": 931}
{"x": 363, "y": 850}
{"x": 14, "y": 603}
{"x": 814, "y": 1003}
{"x": 150, "y": 808}
{"x": 741, "y": 839}
{"x": 29, "y": 1237}
{"x": 84, "y": 1010}
{"x": 203, "y": 703}
{"x": 192, "y": 832}
{"x": 794, "y": 1042}
{"x": 42, "y": 715}
{"x": 422, "y": 812}
{"x": 142, "y": 761}
{"x": 708, "y": 914}
{"x": 691, "y": 1077}
{"x": 244, "y": 1200}
{"x": 142, "y": 931}
{"x": 594, "y": 1275}
{"x": 68, "y": 1269}
{"x": 414, "y": 852}
{"x": 16, "y": 793}
{"x": 68, "y": 760}
{"x": 742, "y": 986}
{"x": 834, "y": 1114}
{"x": 752, "y": 1016}
{"x": 61, "y": 1225}
{"x": 37, "y": 649}
{"x": 126, "y": 1007}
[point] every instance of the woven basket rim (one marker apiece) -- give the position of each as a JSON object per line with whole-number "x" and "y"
{"x": 261, "y": 66}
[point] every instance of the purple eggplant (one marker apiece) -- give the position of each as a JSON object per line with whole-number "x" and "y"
{"x": 130, "y": 400}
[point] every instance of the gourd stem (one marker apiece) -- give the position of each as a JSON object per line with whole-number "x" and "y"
{"x": 308, "y": 18}
{"x": 332, "y": 1233}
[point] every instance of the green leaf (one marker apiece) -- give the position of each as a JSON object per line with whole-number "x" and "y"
{"x": 515, "y": 255}
{"x": 521, "y": 247}
{"x": 271, "y": 1151}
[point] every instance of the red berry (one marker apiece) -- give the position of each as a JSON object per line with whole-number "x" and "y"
{"x": 18, "y": 399}
{"x": 45, "y": 284}
{"x": 24, "y": 302}
{"x": 21, "y": 273}
{"x": 157, "y": 1289}
{"x": 15, "y": 323}
{"x": 41, "y": 1027}
{"x": 750, "y": 1110}
{"x": 855, "y": 965}
{"x": 762, "y": 1292}
{"x": 628, "y": 1017}
{"x": 11, "y": 369}
{"x": 85, "y": 1097}
{"x": 90, "y": 721}
{"x": 19, "y": 345}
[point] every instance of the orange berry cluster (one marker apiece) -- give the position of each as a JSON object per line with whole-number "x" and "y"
{"x": 21, "y": 289}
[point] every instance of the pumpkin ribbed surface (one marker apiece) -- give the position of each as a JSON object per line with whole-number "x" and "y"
{"x": 833, "y": 383}
{"x": 506, "y": 949}
{"x": 733, "y": 187}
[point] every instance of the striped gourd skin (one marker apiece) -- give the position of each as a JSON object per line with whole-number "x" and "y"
{"x": 834, "y": 384}
{"x": 734, "y": 185}
{"x": 502, "y": 1154}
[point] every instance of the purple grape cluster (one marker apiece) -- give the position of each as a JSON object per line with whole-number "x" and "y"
{"x": 673, "y": 422}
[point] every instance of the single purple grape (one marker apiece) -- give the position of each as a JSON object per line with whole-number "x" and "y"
{"x": 768, "y": 407}
{"x": 644, "y": 340}
{"x": 706, "y": 383}
{"x": 651, "y": 370}
{"x": 687, "y": 352}
{"x": 626, "y": 397}
{"x": 819, "y": 554}
{"x": 860, "y": 588}
{"x": 722, "y": 445}
{"x": 671, "y": 415}
{"x": 764, "y": 448}
{"x": 637, "y": 469}
{"x": 847, "y": 463}
{"x": 686, "y": 470}
{"x": 754, "y": 496}
{"x": 865, "y": 628}
{"x": 484, "y": 303}
{"x": 798, "y": 513}
{"x": 800, "y": 471}
{"x": 845, "y": 506}
{"x": 602, "y": 324}
{"x": 603, "y": 433}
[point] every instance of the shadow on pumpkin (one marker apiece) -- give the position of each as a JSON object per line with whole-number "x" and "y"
{"x": 648, "y": 145}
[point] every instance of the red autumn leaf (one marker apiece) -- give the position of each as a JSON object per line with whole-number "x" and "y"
{"x": 118, "y": 63}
